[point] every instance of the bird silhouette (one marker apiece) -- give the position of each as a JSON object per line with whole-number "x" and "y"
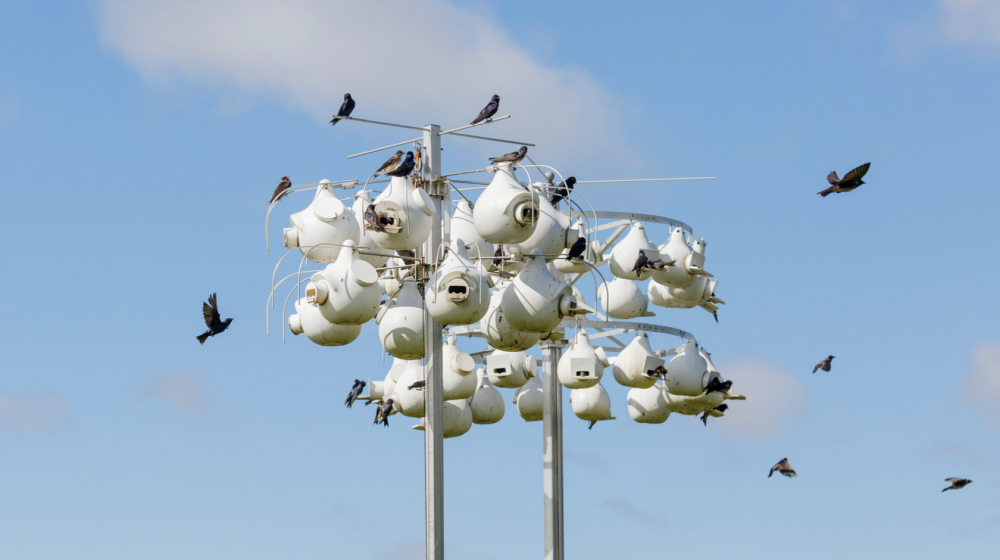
{"x": 825, "y": 364}
{"x": 578, "y": 248}
{"x": 640, "y": 263}
{"x": 355, "y": 392}
{"x": 371, "y": 219}
{"x": 716, "y": 386}
{"x": 784, "y": 468}
{"x": 720, "y": 408}
{"x": 215, "y": 325}
{"x": 562, "y": 190}
{"x": 404, "y": 168}
{"x": 383, "y": 412}
{"x": 391, "y": 163}
{"x": 498, "y": 256}
{"x": 346, "y": 108}
{"x": 956, "y": 483}
{"x": 418, "y": 385}
{"x": 488, "y": 111}
{"x": 513, "y": 157}
{"x": 850, "y": 181}
{"x": 279, "y": 192}
{"x": 659, "y": 265}
{"x": 660, "y": 372}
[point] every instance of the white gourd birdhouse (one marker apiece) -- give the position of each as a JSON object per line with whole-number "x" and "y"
{"x": 410, "y": 402}
{"x": 458, "y": 291}
{"x": 689, "y": 263}
{"x": 692, "y": 405}
{"x": 459, "y": 372}
{"x": 391, "y": 280}
{"x": 698, "y": 293}
{"x": 535, "y": 302}
{"x": 577, "y": 266}
{"x": 624, "y": 255}
{"x": 381, "y": 389}
{"x": 579, "y": 367}
{"x": 497, "y": 331}
{"x": 509, "y": 370}
{"x": 552, "y": 234}
{"x": 401, "y": 324}
{"x": 622, "y": 299}
{"x": 687, "y": 372}
{"x": 310, "y": 321}
{"x": 366, "y": 242}
{"x": 457, "y": 419}
{"x": 324, "y": 225}
{"x": 636, "y": 362}
{"x": 404, "y": 212}
{"x": 463, "y": 228}
{"x": 487, "y": 403}
{"x": 592, "y": 404}
{"x": 647, "y": 406}
{"x": 505, "y": 212}
{"x": 530, "y": 400}
{"x": 346, "y": 291}
{"x": 713, "y": 373}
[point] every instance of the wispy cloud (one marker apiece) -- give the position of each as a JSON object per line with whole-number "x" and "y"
{"x": 45, "y": 414}
{"x": 184, "y": 392}
{"x": 981, "y": 389}
{"x": 970, "y": 24}
{"x": 775, "y": 398}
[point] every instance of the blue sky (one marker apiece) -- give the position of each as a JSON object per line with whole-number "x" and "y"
{"x": 139, "y": 143}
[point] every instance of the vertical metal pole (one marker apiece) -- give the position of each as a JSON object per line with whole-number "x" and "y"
{"x": 434, "y": 371}
{"x": 552, "y": 461}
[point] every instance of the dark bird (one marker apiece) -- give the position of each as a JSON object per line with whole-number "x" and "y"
{"x": 562, "y": 191}
{"x": 659, "y": 265}
{"x": 391, "y": 163}
{"x": 660, "y": 372}
{"x": 355, "y": 392}
{"x": 824, "y": 365}
{"x": 215, "y": 324}
{"x": 720, "y": 408}
{"x": 512, "y": 157}
{"x": 371, "y": 218}
{"x": 384, "y": 410}
{"x": 279, "y": 192}
{"x": 956, "y": 483}
{"x": 418, "y": 385}
{"x": 578, "y": 248}
{"x": 640, "y": 263}
{"x": 404, "y": 168}
{"x": 716, "y": 386}
{"x": 346, "y": 108}
{"x": 592, "y": 422}
{"x": 498, "y": 256}
{"x": 407, "y": 254}
{"x": 784, "y": 468}
{"x": 850, "y": 181}
{"x": 488, "y": 111}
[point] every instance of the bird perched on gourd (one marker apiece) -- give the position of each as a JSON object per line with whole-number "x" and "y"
{"x": 404, "y": 168}
{"x": 390, "y": 164}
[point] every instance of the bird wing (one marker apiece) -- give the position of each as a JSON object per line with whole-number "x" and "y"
{"x": 819, "y": 365}
{"x": 390, "y": 163}
{"x": 856, "y": 173}
{"x": 832, "y": 178}
{"x": 953, "y": 480}
{"x": 483, "y": 113}
{"x": 211, "y": 311}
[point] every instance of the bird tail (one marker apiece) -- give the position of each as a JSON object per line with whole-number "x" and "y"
{"x": 349, "y": 402}
{"x": 203, "y": 337}
{"x": 825, "y": 192}
{"x": 769, "y": 474}
{"x": 946, "y": 489}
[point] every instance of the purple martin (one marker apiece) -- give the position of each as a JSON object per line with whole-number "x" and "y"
{"x": 215, "y": 324}
{"x": 418, "y": 385}
{"x": 498, "y": 256}
{"x": 824, "y": 365}
{"x": 355, "y": 391}
{"x": 720, "y": 408}
{"x": 850, "y": 181}
{"x": 279, "y": 192}
{"x": 579, "y": 247}
{"x": 660, "y": 372}
{"x": 716, "y": 386}
{"x": 391, "y": 163}
{"x": 784, "y": 468}
{"x": 513, "y": 157}
{"x": 956, "y": 483}
{"x": 404, "y": 168}
{"x": 640, "y": 263}
{"x": 383, "y": 412}
{"x": 660, "y": 265}
{"x": 487, "y": 113}
{"x": 346, "y": 108}
{"x": 371, "y": 219}
{"x": 562, "y": 191}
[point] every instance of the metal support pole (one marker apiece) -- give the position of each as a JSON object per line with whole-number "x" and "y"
{"x": 552, "y": 455}
{"x": 433, "y": 369}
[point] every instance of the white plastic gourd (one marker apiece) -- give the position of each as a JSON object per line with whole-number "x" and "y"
{"x": 530, "y": 400}
{"x": 592, "y": 404}
{"x": 497, "y": 331}
{"x": 505, "y": 212}
{"x": 687, "y": 372}
{"x": 365, "y": 241}
{"x": 405, "y": 214}
{"x": 576, "y": 266}
{"x": 689, "y": 262}
{"x": 459, "y": 368}
{"x": 697, "y": 293}
{"x": 390, "y": 282}
{"x": 648, "y": 406}
{"x": 457, "y": 419}
{"x": 310, "y": 321}
{"x": 324, "y": 225}
{"x": 691, "y": 405}
{"x": 401, "y": 324}
{"x": 410, "y": 402}
{"x": 381, "y": 389}
{"x": 458, "y": 291}
{"x": 622, "y": 299}
{"x": 487, "y": 402}
{"x": 551, "y": 235}
{"x": 535, "y": 302}
{"x": 580, "y": 367}
{"x": 624, "y": 255}
{"x": 634, "y": 364}
{"x": 510, "y": 370}
{"x": 347, "y": 290}
{"x": 463, "y": 228}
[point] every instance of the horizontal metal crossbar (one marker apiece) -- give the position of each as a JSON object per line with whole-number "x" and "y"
{"x": 632, "y": 216}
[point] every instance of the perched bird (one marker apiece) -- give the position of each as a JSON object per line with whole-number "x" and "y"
{"x": 404, "y": 168}
{"x": 512, "y": 157}
{"x": 421, "y": 288}
{"x": 659, "y": 265}
{"x": 640, "y": 263}
{"x": 355, "y": 392}
{"x": 660, "y": 372}
{"x": 378, "y": 410}
{"x": 384, "y": 410}
{"x": 215, "y": 324}
{"x": 720, "y": 408}
{"x": 850, "y": 181}
{"x": 956, "y": 483}
{"x": 488, "y": 111}
{"x": 716, "y": 386}
{"x": 578, "y": 248}
{"x": 824, "y": 365}
{"x": 391, "y": 163}
{"x": 346, "y": 108}
{"x": 562, "y": 191}
{"x": 279, "y": 192}
{"x": 371, "y": 219}
{"x": 498, "y": 256}
{"x": 784, "y": 468}
{"x": 592, "y": 422}
{"x": 418, "y": 385}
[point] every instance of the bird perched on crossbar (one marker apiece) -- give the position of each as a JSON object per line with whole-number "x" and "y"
{"x": 825, "y": 364}
{"x": 371, "y": 219}
{"x": 578, "y": 249}
{"x": 488, "y": 111}
{"x": 640, "y": 263}
{"x": 279, "y": 192}
{"x": 850, "y": 181}
{"x": 404, "y": 168}
{"x": 513, "y": 157}
{"x": 346, "y": 108}
{"x": 562, "y": 191}
{"x": 956, "y": 483}
{"x": 355, "y": 392}
{"x": 721, "y": 408}
{"x": 390, "y": 164}
{"x": 212, "y": 318}
{"x": 784, "y": 468}
{"x": 382, "y": 412}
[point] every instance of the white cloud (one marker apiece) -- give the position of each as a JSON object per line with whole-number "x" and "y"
{"x": 407, "y": 62}
{"x": 971, "y": 22}
{"x": 47, "y": 413}
{"x": 981, "y": 388}
{"x": 182, "y": 391}
{"x": 775, "y": 398}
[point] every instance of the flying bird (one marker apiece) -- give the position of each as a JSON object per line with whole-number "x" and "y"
{"x": 562, "y": 191}
{"x": 384, "y": 410}
{"x": 578, "y": 248}
{"x": 371, "y": 219}
{"x": 488, "y": 111}
{"x": 659, "y": 265}
{"x": 215, "y": 324}
{"x": 850, "y": 181}
{"x": 498, "y": 256}
{"x": 418, "y": 385}
{"x": 404, "y": 168}
{"x": 956, "y": 483}
{"x": 720, "y": 408}
{"x": 784, "y": 468}
{"x": 355, "y": 392}
{"x": 279, "y": 192}
{"x": 716, "y": 386}
{"x": 391, "y": 163}
{"x": 640, "y": 263}
{"x": 512, "y": 157}
{"x": 346, "y": 108}
{"x": 824, "y": 365}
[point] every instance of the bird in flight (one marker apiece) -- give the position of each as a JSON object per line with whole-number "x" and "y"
{"x": 640, "y": 263}
{"x": 562, "y": 191}
{"x": 850, "y": 181}
{"x": 825, "y": 364}
{"x": 488, "y": 111}
{"x": 355, "y": 392}
{"x": 383, "y": 412}
{"x": 720, "y": 408}
{"x": 578, "y": 248}
{"x": 215, "y": 324}
{"x": 956, "y": 483}
{"x": 371, "y": 219}
{"x": 513, "y": 157}
{"x": 404, "y": 168}
{"x": 346, "y": 108}
{"x": 391, "y": 163}
{"x": 279, "y": 192}
{"x": 784, "y": 468}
